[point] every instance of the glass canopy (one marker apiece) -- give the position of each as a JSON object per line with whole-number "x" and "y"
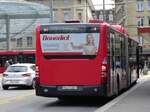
{"x": 20, "y": 17}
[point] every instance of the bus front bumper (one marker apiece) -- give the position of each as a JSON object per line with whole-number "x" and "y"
{"x": 58, "y": 91}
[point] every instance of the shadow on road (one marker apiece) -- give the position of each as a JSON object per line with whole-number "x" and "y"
{"x": 84, "y": 102}
{"x": 19, "y": 88}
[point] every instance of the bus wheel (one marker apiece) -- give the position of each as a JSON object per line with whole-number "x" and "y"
{"x": 5, "y": 87}
{"x": 118, "y": 86}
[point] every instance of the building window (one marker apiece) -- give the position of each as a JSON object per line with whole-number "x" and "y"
{"x": 66, "y": 1}
{"x": 66, "y": 15}
{"x": 101, "y": 16}
{"x": 148, "y": 4}
{"x": 140, "y": 5}
{"x": 140, "y": 21}
{"x": 111, "y": 18}
{"x": 40, "y": 1}
{"x": 141, "y": 41}
{"x": 19, "y": 42}
{"x": 79, "y": 1}
{"x": 55, "y": 16}
{"x": 80, "y": 17}
{"x": 29, "y": 41}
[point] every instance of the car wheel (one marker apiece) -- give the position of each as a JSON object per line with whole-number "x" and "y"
{"x": 5, "y": 87}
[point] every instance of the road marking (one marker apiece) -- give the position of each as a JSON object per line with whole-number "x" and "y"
{"x": 15, "y": 99}
{"x": 4, "y": 102}
{"x": 117, "y": 99}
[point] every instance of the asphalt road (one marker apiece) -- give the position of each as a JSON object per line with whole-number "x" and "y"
{"x": 24, "y": 100}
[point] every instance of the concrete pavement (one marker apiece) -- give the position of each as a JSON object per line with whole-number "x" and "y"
{"x": 137, "y": 99}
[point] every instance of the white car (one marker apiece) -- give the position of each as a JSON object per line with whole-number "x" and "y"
{"x": 21, "y": 74}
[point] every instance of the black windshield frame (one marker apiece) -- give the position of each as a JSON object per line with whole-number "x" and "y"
{"x": 69, "y": 28}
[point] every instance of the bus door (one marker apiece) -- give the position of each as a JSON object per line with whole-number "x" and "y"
{"x": 118, "y": 61}
{"x": 121, "y": 61}
{"x": 111, "y": 53}
{"x": 133, "y": 61}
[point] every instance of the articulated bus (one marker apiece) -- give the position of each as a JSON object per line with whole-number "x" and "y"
{"x": 16, "y": 56}
{"x": 84, "y": 59}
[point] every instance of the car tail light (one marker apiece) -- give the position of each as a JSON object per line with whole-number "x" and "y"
{"x": 26, "y": 75}
{"x": 5, "y": 75}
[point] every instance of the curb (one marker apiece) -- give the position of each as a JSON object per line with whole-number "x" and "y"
{"x": 113, "y": 102}
{"x": 144, "y": 76}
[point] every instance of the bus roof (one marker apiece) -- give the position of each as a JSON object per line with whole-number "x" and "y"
{"x": 17, "y": 52}
{"x": 119, "y": 28}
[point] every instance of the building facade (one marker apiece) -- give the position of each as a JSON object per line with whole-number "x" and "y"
{"x": 133, "y": 14}
{"x": 109, "y": 15}
{"x": 64, "y": 10}
{"x": 18, "y": 21}
{"x": 120, "y": 12}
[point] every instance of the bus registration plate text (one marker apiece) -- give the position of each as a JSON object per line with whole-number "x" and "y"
{"x": 69, "y": 88}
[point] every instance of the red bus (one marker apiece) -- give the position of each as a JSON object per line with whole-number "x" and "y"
{"x": 84, "y": 59}
{"x": 16, "y": 56}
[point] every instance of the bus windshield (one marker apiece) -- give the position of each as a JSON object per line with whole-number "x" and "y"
{"x": 70, "y": 40}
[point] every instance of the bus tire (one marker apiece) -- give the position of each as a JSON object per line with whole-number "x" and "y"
{"x": 118, "y": 86}
{"x": 5, "y": 87}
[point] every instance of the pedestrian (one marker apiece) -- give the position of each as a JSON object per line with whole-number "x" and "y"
{"x": 10, "y": 62}
{"x": 7, "y": 64}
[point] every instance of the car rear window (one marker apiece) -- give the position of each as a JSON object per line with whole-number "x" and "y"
{"x": 17, "y": 69}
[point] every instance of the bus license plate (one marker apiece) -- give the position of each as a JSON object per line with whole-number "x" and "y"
{"x": 69, "y": 88}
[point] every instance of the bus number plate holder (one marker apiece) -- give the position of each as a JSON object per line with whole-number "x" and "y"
{"x": 68, "y": 88}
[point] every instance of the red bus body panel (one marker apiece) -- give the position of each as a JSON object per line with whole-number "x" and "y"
{"x": 83, "y": 73}
{"x": 53, "y": 72}
{"x": 90, "y": 76}
{"x": 12, "y": 54}
{"x": 69, "y": 72}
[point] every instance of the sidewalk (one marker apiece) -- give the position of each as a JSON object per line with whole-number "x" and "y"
{"x": 137, "y": 99}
